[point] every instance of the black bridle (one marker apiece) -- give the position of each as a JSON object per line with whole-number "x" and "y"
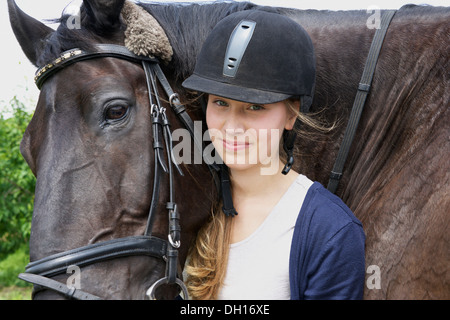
{"x": 38, "y": 272}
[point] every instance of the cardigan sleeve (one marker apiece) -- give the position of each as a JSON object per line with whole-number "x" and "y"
{"x": 327, "y": 252}
{"x": 338, "y": 272}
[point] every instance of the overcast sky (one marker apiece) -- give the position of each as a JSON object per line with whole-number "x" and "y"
{"x": 17, "y": 72}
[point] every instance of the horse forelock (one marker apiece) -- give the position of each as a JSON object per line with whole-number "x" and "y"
{"x": 65, "y": 38}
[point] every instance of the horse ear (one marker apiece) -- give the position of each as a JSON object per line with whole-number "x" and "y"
{"x": 103, "y": 16}
{"x": 29, "y": 32}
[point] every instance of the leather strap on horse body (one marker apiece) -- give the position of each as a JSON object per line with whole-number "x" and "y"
{"x": 360, "y": 99}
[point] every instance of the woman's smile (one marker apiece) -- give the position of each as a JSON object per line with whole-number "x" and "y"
{"x": 235, "y": 145}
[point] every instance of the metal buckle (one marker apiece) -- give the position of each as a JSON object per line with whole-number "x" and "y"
{"x": 151, "y": 291}
{"x": 172, "y": 97}
{"x": 175, "y": 244}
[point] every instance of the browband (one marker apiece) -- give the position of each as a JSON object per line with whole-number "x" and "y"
{"x": 75, "y": 55}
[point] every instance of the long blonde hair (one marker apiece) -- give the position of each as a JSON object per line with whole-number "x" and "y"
{"x": 208, "y": 258}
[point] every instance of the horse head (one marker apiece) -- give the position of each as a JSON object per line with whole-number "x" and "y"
{"x": 90, "y": 147}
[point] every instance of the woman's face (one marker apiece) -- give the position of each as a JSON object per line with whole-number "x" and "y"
{"x": 247, "y": 135}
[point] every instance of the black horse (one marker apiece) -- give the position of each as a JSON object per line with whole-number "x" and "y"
{"x": 94, "y": 175}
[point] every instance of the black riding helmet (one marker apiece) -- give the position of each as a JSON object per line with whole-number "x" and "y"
{"x": 258, "y": 57}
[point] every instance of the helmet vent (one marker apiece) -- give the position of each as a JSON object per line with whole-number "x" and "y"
{"x": 237, "y": 44}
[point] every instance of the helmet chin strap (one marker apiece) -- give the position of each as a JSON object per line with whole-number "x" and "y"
{"x": 288, "y": 146}
{"x": 228, "y": 207}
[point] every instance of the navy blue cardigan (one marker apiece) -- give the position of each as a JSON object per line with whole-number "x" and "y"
{"x": 327, "y": 252}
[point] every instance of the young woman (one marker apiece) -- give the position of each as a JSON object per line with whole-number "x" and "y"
{"x": 291, "y": 238}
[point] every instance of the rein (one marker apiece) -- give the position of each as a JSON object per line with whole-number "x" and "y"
{"x": 360, "y": 99}
{"x": 37, "y": 272}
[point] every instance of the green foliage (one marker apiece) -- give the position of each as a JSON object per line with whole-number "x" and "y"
{"x": 15, "y": 293}
{"x": 17, "y": 182}
{"x": 12, "y": 265}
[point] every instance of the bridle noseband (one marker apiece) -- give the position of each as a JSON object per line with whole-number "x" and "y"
{"x": 37, "y": 272}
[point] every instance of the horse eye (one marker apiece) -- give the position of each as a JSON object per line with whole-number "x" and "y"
{"x": 116, "y": 112}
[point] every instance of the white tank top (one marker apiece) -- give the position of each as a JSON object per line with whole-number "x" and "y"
{"x": 258, "y": 266}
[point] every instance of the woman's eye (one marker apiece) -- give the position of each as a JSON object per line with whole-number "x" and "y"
{"x": 116, "y": 112}
{"x": 256, "y": 107}
{"x": 221, "y": 103}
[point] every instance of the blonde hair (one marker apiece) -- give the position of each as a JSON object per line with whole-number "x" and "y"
{"x": 208, "y": 258}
